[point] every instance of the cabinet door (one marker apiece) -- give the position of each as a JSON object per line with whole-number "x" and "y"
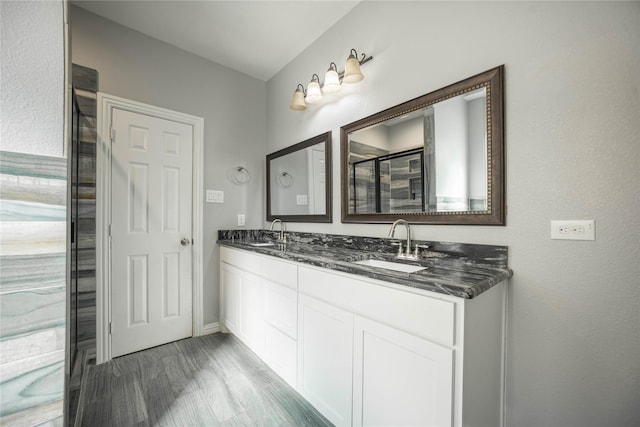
{"x": 230, "y": 279}
{"x": 251, "y": 307}
{"x": 325, "y": 358}
{"x": 280, "y": 353}
{"x": 400, "y": 379}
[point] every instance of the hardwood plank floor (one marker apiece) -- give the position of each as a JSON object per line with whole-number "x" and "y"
{"x": 214, "y": 380}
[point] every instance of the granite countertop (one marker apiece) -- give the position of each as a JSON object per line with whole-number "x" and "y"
{"x": 456, "y": 269}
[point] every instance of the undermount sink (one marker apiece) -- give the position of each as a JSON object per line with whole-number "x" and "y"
{"x": 262, "y": 244}
{"x": 395, "y": 266}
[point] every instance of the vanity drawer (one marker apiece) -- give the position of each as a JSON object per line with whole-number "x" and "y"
{"x": 280, "y": 272}
{"x": 281, "y": 308}
{"x": 419, "y": 315}
{"x": 242, "y": 259}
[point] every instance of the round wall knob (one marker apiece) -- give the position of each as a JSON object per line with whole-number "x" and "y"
{"x": 185, "y": 241}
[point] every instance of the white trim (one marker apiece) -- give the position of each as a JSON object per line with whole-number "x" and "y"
{"x": 504, "y": 352}
{"x": 210, "y": 328}
{"x": 106, "y": 104}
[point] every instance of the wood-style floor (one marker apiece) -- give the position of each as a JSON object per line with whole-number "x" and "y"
{"x": 205, "y": 381}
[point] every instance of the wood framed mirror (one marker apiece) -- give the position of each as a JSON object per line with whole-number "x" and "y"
{"x": 299, "y": 181}
{"x": 436, "y": 159}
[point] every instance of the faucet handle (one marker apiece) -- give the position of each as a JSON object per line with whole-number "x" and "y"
{"x": 399, "y": 245}
{"x": 416, "y": 250}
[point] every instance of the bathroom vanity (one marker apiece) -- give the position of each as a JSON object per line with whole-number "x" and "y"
{"x": 363, "y": 340}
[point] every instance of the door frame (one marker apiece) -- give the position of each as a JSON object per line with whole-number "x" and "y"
{"x": 105, "y": 106}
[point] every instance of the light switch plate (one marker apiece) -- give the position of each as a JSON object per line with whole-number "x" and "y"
{"x": 573, "y": 230}
{"x": 301, "y": 199}
{"x": 241, "y": 220}
{"x": 215, "y": 196}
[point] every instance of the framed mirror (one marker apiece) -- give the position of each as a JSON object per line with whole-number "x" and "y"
{"x": 437, "y": 159}
{"x": 299, "y": 181}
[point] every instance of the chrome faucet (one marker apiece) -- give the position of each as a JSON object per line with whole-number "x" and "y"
{"x": 407, "y": 253}
{"x": 392, "y": 232}
{"x": 283, "y": 228}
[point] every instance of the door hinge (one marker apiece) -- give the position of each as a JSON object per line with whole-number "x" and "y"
{"x": 109, "y": 328}
{"x": 109, "y": 230}
{"x": 113, "y": 135}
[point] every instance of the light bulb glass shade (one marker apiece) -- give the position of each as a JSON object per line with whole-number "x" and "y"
{"x": 297, "y": 102}
{"x": 352, "y": 73}
{"x": 314, "y": 95}
{"x": 331, "y": 80}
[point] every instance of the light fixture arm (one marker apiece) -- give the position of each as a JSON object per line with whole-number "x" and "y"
{"x": 364, "y": 56}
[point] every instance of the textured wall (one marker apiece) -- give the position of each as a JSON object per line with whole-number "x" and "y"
{"x": 32, "y": 76}
{"x": 572, "y": 152}
{"x": 33, "y": 190}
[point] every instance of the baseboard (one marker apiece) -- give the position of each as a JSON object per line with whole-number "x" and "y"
{"x": 211, "y": 328}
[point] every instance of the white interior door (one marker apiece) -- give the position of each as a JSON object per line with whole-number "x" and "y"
{"x": 151, "y": 231}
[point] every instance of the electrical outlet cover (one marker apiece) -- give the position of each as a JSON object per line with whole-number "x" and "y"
{"x": 573, "y": 230}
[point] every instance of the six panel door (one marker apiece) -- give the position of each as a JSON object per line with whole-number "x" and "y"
{"x": 151, "y": 200}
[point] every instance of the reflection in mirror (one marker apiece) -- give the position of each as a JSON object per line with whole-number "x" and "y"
{"x": 299, "y": 181}
{"x": 390, "y": 160}
{"x": 436, "y": 159}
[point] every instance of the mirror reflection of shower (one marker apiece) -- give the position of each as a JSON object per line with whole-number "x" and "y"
{"x": 429, "y": 160}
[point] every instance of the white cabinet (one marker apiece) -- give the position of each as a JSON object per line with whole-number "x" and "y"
{"x": 259, "y": 304}
{"x": 280, "y": 279}
{"x": 420, "y": 358}
{"x": 366, "y": 352}
{"x": 280, "y": 354}
{"x": 242, "y": 301}
{"x": 325, "y": 355}
{"x": 230, "y": 297}
{"x": 281, "y": 308}
{"x": 251, "y": 329}
{"x": 281, "y": 329}
{"x": 400, "y": 379}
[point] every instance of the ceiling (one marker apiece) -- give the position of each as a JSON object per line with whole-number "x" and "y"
{"x": 257, "y": 38}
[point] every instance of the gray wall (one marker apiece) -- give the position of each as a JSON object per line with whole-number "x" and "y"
{"x": 572, "y": 152}
{"x": 137, "y": 67}
{"x": 32, "y": 77}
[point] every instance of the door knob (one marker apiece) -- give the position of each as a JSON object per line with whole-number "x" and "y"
{"x": 185, "y": 241}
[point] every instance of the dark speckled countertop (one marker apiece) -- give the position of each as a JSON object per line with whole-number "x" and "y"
{"x": 456, "y": 269}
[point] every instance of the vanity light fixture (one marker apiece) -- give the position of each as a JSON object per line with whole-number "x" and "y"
{"x": 314, "y": 95}
{"x": 352, "y": 72}
{"x": 297, "y": 102}
{"x": 333, "y": 81}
